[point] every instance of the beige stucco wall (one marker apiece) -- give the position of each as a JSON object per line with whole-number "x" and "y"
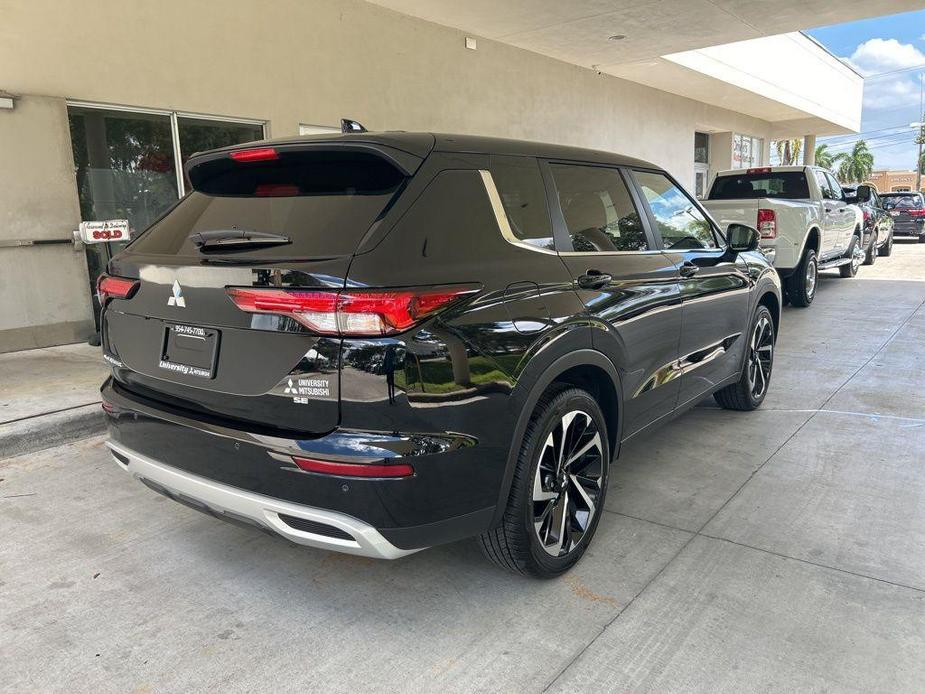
{"x": 314, "y": 61}
{"x": 44, "y": 287}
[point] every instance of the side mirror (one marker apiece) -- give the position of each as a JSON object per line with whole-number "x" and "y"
{"x": 864, "y": 193}
{"x": 742, "y": 238}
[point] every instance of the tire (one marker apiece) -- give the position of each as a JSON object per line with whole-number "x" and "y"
{"x": 886, "y": 250}
{"x": 541, "y": 488}
{"x": 871, "y": 257}
{"x": 851, "y": 269}
{"x": 801, "y": 285}
{"x": 921, "y": 239}
{"x": 745, "y": 394}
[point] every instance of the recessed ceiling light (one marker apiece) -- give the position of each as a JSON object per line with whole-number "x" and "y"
{"x": 616, "y": 37}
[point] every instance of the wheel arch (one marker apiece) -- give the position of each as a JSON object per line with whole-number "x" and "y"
{"x": 813, "y": 240}
{"x": 771, "y": 301}
{"x": 586, "y": 368}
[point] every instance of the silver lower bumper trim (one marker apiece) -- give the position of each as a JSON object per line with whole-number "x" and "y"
{"x": 264, "y": 510}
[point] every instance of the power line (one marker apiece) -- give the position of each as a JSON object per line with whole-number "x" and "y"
{"x": 895, "y": 72}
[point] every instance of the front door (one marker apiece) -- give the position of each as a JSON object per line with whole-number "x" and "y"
{"x": 627, "y": 285}
{"x": 714, "y": 286}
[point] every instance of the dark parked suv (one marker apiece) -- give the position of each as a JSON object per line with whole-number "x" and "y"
{"x": 375, "y": 343}
{"x": 908, "y": 213}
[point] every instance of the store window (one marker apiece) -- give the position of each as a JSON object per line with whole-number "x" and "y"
{"x": 746, "y": 151}
{"x": 701, "y": 163}
{"x": 129, "y": 163}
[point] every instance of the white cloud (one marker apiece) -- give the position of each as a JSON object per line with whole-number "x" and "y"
{"x": 884, "y": 55}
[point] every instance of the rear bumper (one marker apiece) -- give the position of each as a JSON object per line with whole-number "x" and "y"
{"x": 451, "y": 495}
{"x": 324, "y": 529}
{"x": 909, "y": 228}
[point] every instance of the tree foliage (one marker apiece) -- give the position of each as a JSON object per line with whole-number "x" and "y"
{"x": 857, "y": 165}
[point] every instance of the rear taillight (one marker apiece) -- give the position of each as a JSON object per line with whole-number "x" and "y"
{"x": 255, "y": 154}
{"x": 915, "y": 213}
{"x": 866, "y": 214}
{"x": 354, "y": 313}
{"x": 330, "y": 467}
{"x": 108, "y": 287}
{"x": 767, "y": 224}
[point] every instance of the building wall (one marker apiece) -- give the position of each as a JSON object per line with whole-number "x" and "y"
{"x": 886, "y": 181}
{"x": 309, "y": 61}
{"x": 44, "y": 290}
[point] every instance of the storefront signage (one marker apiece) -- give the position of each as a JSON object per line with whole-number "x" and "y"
{"x": 103, "y": 232}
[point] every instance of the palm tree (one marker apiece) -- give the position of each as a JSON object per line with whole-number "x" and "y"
{"x": 788, "y": 151}
{"x": 827, "y": 159}
{"x": 857, "y": 166}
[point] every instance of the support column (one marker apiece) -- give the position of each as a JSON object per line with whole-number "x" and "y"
{"x": 809, "y": 150}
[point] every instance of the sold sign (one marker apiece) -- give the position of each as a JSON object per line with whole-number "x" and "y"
{"x": 103, "y": 232}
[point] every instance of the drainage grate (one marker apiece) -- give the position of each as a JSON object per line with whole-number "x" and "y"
{"x": 310, "y": 526}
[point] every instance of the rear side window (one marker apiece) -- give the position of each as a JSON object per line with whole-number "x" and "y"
{"x": 523, "y": 196}
{"x": 599, "y": 213}
{"x": 891, "y": 202}
{"x": 323, "y": 201}
{"x": 787, "y": 184}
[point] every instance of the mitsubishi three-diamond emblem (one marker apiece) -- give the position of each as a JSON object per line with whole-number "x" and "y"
{"x": 177, "y": 298}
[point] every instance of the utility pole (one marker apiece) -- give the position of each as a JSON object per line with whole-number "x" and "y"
{"x": 921, "y": 138}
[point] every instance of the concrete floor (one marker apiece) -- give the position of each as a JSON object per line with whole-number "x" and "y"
{"x": 778, "y": 550}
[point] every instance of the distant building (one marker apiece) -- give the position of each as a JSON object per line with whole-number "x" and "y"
{"x": 894, "y": 181}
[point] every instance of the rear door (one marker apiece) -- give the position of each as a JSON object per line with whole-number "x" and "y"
{"x": 714, "y": 285}
{"x": 832, "y": 230}
{"x": 193, "y": 336}
{"x": 844, "y": 213}
{"x": 623, "y": 281}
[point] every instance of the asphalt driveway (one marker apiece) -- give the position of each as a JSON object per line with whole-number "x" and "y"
{"x": 778, "y": 550}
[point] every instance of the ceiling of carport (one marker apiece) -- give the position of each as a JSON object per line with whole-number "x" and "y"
{"x": 578, "y": 31}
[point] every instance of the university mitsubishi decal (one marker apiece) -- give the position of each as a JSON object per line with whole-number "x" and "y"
{"x": 177, "y": 298}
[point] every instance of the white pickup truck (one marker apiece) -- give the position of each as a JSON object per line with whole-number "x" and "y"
{"x": 805, "y": 222}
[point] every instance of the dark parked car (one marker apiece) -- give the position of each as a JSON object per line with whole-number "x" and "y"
{"x": 376, "y": 343}
{"x": 908, "y": 213}
{"x": 878, "y": 224}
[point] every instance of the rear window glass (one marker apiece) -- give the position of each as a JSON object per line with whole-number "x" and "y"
{"x": 901, "y": 201}
{"x": 323, "y": 201}
{"x": 786, "y": 184}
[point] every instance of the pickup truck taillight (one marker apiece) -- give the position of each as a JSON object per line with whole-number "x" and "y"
{"x": 767, "y": 224}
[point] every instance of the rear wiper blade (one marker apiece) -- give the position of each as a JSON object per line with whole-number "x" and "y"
{"x": 230, "y": 239}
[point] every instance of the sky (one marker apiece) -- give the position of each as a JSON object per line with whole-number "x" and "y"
{"x": 890, "y": 44}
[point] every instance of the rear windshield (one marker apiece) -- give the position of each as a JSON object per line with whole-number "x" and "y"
{"x": 323, "y": 201}
{"x": 901, "y": 201}
{"x": 786, "y": 184}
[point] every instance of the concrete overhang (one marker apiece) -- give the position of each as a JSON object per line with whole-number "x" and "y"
{"x": 788, "y": 80}
{"x": 689, "y": 47}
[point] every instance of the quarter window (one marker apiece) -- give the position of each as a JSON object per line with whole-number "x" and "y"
{"x": 599, "y": 212}
{"x": 523, "y": 196}
{"x": 679, "y": 222}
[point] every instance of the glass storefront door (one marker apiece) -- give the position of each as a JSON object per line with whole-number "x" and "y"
{"x": 125, "y": 161}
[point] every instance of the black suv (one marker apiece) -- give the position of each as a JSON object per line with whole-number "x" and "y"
{"x": 375, "y": 343}
{"x": 908, "y": 213}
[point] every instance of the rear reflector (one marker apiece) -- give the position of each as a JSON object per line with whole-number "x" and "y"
{"x": 767, "y": 224}
{"x": 366, "y": 313}
{"x": 256, "y": 154}
{"x": 108, "y": 287}
{"x": 328, "y": 467}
